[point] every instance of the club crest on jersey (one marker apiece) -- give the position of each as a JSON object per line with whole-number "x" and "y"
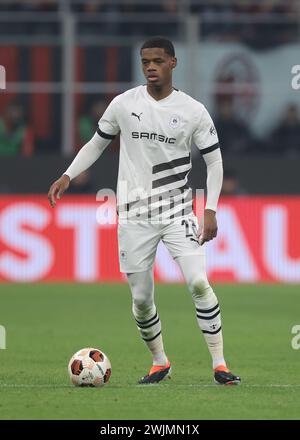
{"x": 123, "y": 255}
{"x": 174, "y": 121}
{"x": 213, "y": 130}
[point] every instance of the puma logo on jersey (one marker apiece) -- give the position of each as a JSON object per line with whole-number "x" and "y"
{"x": 137, "y": 116}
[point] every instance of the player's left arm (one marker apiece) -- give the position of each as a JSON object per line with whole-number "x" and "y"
{"x": 214, "y": 165}
{"x": 206, "y": 138}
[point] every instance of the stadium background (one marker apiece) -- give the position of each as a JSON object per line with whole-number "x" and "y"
{"x": 64, "y": 61}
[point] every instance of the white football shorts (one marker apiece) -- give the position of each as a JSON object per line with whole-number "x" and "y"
{"x": 138, "y": 242}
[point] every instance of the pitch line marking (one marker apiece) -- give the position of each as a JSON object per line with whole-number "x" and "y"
{"x": 7, "y": 385}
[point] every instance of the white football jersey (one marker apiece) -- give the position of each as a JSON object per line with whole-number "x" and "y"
{"x": 155, "y": 150}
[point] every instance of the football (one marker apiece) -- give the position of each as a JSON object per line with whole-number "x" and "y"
{"x": 89, "y": 367}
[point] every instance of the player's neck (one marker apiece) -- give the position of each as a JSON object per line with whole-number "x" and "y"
{"x": 159, "y": 93}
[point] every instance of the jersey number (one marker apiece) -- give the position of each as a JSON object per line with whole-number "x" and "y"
{"x": 190, "y": 229}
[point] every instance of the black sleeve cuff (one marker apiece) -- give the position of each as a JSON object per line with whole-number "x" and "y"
{"x": 210, "y": 149}
{"x": 105, "y": 135}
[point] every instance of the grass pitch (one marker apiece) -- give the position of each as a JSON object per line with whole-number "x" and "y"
{"x": 46, "y": 324}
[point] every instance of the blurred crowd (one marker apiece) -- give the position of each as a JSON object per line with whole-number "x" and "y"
{"x": 258, "y": 23}
{"x": 248, "y": 6}
{"x": 17, "y": 137}
{"x": 237, "y": 138}
{"x": 270, "y": 23}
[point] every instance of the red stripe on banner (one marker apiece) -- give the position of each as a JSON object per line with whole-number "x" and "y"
{"x": 9, "y": 59}
{"x": 79, "y": 97}
{"x": 79, "y": 76}
{"x": 111, "y": 67}
{"x": 41, "y": 61}
{"x": 111, "y": 76}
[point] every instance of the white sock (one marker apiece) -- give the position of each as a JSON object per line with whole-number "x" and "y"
{"x": 149, "y": 326}
{"x": 217, "y": 362}
{"x": 157, "y": 349}
{"x": 209, "y": 321}
{"x": 206, "y": 303}
{"x": 146, "y": 316}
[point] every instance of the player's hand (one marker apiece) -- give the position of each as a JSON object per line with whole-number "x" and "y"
{"x": 58, "y": 188}
{"x": 210, "y": 228}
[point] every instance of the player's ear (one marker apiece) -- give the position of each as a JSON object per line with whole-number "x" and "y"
{"x": 174, "y": 62}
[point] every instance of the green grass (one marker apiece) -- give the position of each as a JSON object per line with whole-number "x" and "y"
{"x": 46, "y": 324}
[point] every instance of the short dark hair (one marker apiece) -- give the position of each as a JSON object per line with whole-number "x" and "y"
{"x": 161, "y": 42}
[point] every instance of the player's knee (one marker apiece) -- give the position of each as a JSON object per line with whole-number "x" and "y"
{"x": 142, "y": 308}
{"x": 142, "y": 303}
{"x": 199, "y": 285}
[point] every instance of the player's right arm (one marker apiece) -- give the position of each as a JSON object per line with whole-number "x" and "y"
{"x": 89, "y": 153}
